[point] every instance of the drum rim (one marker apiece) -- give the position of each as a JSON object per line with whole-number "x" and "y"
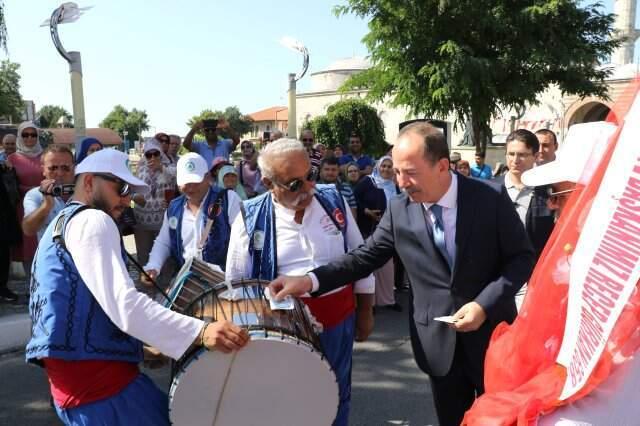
{"x": 253, "y": 328}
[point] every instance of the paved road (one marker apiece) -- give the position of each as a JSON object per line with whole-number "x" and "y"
{"x": 388, "y": 389}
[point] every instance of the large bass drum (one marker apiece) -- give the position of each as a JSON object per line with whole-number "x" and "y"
{"x": 279, "y": 379}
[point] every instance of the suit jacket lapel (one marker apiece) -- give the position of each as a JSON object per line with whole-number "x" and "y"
{"x": 417, "y": 223}
{"x": 464, "y": 219}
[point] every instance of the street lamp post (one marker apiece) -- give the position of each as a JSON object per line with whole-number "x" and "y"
{"x": 66, "y": 13}
{"x": 296, "y": 46}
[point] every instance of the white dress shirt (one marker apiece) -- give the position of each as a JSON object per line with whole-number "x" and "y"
{"x": 449, "y": 204}
{"x": 300, "y": 246}
{"x": 93, "y": 240}
{"x": 192, "y": 227}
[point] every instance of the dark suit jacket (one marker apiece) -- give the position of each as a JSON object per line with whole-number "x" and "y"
{"x": 493, "y": 259}
{"x": 540, "y": 219}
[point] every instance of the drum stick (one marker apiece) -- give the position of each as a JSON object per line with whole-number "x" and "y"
{"x": 151, "y": 280}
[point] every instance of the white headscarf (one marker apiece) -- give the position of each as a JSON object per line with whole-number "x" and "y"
{"x": 387, "y": 185}
{"x": 33, "y": 151}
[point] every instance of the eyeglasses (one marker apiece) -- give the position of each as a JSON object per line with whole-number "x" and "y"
{"x": 63, "y": 168}
{"x": 149, "y": 155}
{"x": 124, "y": 189}
{"x": 29, "y": 135}
{"x": 296, "y": 184}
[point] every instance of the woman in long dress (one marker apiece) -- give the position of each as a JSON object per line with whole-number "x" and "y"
{"x": 28, "y": 167}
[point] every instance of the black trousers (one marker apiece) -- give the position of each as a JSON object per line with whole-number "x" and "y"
{"x": 454, "y": 393}
{"x": 5, "y": 263}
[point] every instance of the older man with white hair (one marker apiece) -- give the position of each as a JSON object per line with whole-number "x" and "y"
{"x": 310, "y": 225}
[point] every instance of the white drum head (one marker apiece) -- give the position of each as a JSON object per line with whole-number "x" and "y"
{"x": 270, "y": 382}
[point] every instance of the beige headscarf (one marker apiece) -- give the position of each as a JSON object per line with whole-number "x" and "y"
{"x": 33, "y": 151}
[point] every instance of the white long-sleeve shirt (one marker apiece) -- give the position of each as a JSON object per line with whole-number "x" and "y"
{"x": 300, "y": 247}
{"x": 93, "y": 240}
{"x": 192, "y": 228}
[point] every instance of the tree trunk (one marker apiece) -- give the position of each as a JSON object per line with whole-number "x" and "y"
{"x": 481, "y": 133}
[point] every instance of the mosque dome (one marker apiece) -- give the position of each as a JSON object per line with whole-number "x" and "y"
{"x": 331, "y": 78}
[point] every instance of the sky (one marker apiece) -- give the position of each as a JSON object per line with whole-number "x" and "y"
{"x": 176, "y": 58}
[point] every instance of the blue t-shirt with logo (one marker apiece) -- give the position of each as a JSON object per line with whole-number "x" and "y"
{"x": 222, "y": 149}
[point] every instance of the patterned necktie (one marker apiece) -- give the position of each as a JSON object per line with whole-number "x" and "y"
{"x": 437, "y": 226}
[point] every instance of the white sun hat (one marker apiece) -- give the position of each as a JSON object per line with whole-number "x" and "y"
{"x": 113, "y": 162}
{"x": 577, "y": 158}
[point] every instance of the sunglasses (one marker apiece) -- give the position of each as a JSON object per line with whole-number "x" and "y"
{"x": 124, "y": 189}
{"x": 550, "y": 192}
{"x": 149, "y": 155}
{"x": 296, "y": 184}
{"x": 63, "y": 168}
{"x": 29, "y": 135}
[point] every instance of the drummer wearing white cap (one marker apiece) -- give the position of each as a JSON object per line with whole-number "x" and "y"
{"x": 198, "y": 223}
{"x": 88, "y": 320}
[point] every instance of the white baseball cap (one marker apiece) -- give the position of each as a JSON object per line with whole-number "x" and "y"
{"x": 191, "y": 169}
{"x": 577, "y": 158}
{"x": 115, "y": 163}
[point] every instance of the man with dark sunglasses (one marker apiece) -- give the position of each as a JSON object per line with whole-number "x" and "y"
{"x": 310, "y": 225}
{"x": 214, "y": 146}
{"x": 89, "y": 321}
{"x": 43, "y": 203}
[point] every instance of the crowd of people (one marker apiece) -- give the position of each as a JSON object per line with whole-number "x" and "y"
{"x": 414, "y": 208}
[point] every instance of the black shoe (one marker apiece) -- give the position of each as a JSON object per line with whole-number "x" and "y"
{"x": 395, "y": 307}
{"x": 7, "y": 295}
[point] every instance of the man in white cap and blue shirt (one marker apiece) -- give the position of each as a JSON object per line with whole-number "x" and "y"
{"x": 198, "y": 223}
{"x": 88, "y": 319}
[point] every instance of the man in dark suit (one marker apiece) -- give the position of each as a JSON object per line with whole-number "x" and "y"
{"x": 466, "y": 254}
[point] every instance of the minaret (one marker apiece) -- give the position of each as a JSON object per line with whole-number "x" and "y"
{"x": 625, "y": 26}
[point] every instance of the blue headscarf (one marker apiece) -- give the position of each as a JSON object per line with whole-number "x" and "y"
{"x": 387, "y": 185}
{"x": 84, "y": 147}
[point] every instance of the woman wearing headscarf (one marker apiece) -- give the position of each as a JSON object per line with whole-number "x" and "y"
{"x": 149, "y": 208}
{"x": 228, "y": 179}
{"x": 87, "y": 147}
{"x": 372, "y": 195}
{"x": 26, "y": 163}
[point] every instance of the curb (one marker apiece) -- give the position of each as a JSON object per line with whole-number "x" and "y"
{"x": 15, "y": 330}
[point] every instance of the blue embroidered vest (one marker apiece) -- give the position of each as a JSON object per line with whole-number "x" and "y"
{"x": 67, "y": 322}
{"x": 217, "y": 244}
{"x": 259, "y": 221}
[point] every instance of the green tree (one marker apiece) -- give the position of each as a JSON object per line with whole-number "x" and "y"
{"x": 11, "y": 104}
{"x": 237, "y": 121}
{"x": 120, "y": 119}
{"x": 345, "y": 117}
{"x": 49, "y": 115}
{"x": 473, "y": 58}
